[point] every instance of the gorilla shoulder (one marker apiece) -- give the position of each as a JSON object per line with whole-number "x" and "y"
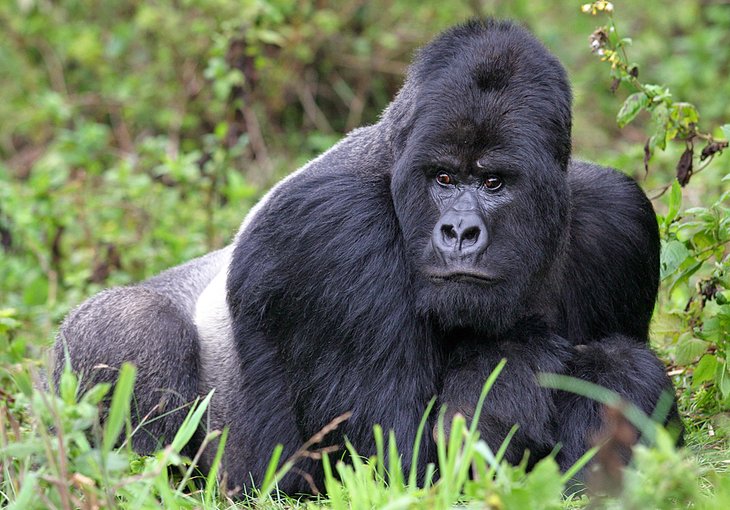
{"x": 614, "y": 243}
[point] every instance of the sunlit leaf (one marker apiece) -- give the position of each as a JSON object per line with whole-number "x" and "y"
{"x": 631, "y": 108}
{"x": 672, "y": 256}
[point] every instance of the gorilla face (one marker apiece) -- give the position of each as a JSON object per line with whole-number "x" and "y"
{"x": 485, "y": 229}
{"x": 494, "y": 233}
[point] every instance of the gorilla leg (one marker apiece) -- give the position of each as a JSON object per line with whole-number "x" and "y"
{"x": 151, "y": 326}
{"x": 620, "y": 364}
{"x": 147, "y": 329}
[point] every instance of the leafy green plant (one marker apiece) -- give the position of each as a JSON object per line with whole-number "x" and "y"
{"x": 695, "y": 263}
{"x": 672, "y": 119}
{"x": 695, "y": 259}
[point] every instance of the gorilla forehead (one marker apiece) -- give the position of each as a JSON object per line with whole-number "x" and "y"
{"x": 469, "y": 121}
{"x": 480, "y": 131}
{"x": 490, "y": 83}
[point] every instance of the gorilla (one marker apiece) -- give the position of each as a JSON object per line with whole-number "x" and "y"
{"x": 404, "y": 263}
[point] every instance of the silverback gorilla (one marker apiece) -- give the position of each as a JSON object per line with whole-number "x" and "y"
{"x": 403, "y": 264}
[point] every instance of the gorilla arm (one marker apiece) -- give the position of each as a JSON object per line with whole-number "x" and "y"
{"x": 611, "y": 277}
{"x": 516, "y": 397}
{"x": 322, "y": 311}
{"x": 608, "y": 296}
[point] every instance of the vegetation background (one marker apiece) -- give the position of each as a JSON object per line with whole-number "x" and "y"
{"x": 135, "y": 135}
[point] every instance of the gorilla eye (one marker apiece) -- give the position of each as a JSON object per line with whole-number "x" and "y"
{"x": 492, "y": 182}
{"x": 444, "y": 179}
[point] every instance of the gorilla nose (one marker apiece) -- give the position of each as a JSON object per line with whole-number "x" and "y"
{"x": 460, "y": 234}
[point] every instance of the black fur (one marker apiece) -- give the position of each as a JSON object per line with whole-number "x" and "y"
{"x": 386, "y": 272}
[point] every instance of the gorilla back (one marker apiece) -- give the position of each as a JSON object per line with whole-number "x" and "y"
{"x": 403, "y": 264}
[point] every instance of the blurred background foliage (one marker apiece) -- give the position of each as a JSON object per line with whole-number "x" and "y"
{"x": 135, "y": 135}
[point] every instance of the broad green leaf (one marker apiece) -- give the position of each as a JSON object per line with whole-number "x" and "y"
{"x": 685, "y": 114}
{"x": 657, "y": 93}
{"x": 689, "y": 348}
{"x": 675, "y": 203}
{"x": 711, "y": 329}
{"x": 96, "y": 394}
{"x": 542, "y": 488}
{"x": 631, "y": 108}
{"x": 660, "y": 116}
{"x": 702, "y": 213}
{"x": 667, "y": 324}
{"x": 68, "y": 385}
{"x": 689, "y": 267}
{"x": 673, "y": 254}
{"x": 723, "y": 298}
{"x": 722, "y": 379}
{"x": 701, "y": 241}
{"x": 705, "y": 370}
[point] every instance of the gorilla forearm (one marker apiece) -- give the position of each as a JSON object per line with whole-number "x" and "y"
{"x": 516, "y": 398}
{"x": 621, "y": 364}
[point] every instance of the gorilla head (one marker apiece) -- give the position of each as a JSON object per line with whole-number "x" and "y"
{"x": 485, "y": 139}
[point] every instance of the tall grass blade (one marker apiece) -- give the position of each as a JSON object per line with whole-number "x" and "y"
{"x": 579, "y": 464}
{"x": 413, "y": 474}
{"x": 210, "y": 480}
{"x": 379, "y": 450}
{"x": 587, "y": 389}
{"x": 191, "y": 422}
{"x": 485, "y": 390}
{"x": 270, "y": 475}
{"x": 120, "y": 405}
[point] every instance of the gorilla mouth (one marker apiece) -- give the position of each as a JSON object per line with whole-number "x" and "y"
{"x": 461, "y": 276}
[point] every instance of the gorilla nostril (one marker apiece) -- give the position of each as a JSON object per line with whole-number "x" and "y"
{"x": 449, "y": 232}
{"x": 471, "y": 234}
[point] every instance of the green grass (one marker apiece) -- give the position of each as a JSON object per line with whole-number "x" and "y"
{"x": 54, "y": 453}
